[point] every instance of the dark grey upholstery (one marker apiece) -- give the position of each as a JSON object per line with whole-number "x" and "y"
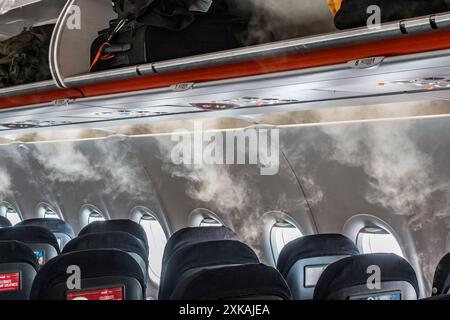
{"x": 18, "y": 268}
{"x": 40, "y": 240}
{"x": 102, "y": 271}
{"x": 243, "y": 282}
{"x": 302, "y": 260}
{"x": 194, "y": 257}
{"x": 4, "y": 222}
{"x": 123, "y": 225}
{"x": 379, "y": 276}
{"x": 61, "y": 229}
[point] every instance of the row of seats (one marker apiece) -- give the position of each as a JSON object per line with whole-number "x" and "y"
{"x": 211, "y": 263}
{"x": 330, "y": 267}
{"x": 198, "y": 263}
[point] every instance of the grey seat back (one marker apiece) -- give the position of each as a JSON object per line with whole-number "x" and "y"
{"x": 18, "y": 269}
{"x": 379, "y": 276}
{"x": 302, "y": 261}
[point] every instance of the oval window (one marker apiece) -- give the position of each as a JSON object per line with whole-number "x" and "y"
{"x": 157, "y": 240}
{"x": 10, "y": 212}
{"x": 281, "y": 233}
{"x": 375, "y": 239}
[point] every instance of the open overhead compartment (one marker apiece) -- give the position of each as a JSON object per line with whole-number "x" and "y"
{"x": 403, "y": 58}
{"x": 40, "y": 16}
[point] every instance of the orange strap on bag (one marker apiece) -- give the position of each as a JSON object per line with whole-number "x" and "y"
{"x": 334, "y": 6}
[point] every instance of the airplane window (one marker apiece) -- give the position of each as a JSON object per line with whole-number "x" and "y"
{"x": 378, "y": 240}
{"x": 281, "y": 234}
{"x": 8, "y": 211}
{"x": 156, "y": 241}
{"x": 44, "y": 210}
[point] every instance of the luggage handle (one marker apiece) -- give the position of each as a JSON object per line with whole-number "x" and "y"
{"x": 117, "y": 48}
{"x": 105, "y": 56}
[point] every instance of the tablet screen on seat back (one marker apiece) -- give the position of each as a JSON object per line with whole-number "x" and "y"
{"x": 379, "y": 296}
{"x": 97, "y": 294}
{"x": 9, "y": 281}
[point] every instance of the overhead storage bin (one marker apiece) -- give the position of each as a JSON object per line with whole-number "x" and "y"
{"x": 26, "y": 29}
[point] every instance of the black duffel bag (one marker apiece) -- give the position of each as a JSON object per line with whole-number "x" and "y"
{"x": 165, "y": 30}
{"x": 353, "y": 13}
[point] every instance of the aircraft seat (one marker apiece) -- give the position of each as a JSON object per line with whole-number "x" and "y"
{"x": 61, "y": 229}
{"x": 198, "y": 256}
{"x": 40, "y": 240}
{"x": 243, "y": 282}
{"x": 105, "y": 274}
{"x": 111, "y": 240}
{"x": 18, "y": 267}
{"x": 4, "y": 222}
{"x": 378, "y": 276}
{"x": 441, "y": 281}
{"x": 124, "y": 225}
{"x": 302, "y": 260}
{"x": 192, "y": 235}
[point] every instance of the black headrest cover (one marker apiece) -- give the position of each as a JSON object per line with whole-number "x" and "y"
{"x": 17, "y": 252}
{"x": 245, "y": 281}
{"x": 29, "y": 234}
{"x": 124, "y": 225}
{"x": 194, "y": 235}
{"x": 54, "y": 225}
{"x": 93, "y": 263}
{"x": 4, "y": 222}
{"x": 352, "y": 271}
{"x": 318, "y": 245}
{"x": 108, "y": 240}
{"x": 441, "y": 277}
{"x": 205, "y": 254}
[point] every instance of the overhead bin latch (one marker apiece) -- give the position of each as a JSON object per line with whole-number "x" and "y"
{"x": 181, "y": 87}
{"x": 366, "y": 63}
{"x": 62, "y": 102}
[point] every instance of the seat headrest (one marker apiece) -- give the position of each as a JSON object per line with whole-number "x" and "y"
{"x": 202, "y": 255}
{"x": 4, "y": 222}
{"x": 124, "y": 225}
{"x": 92, "y": 263}
{"x": 30, "y": 235}
{"x": 233, "y": 282}
{"x": 194, "y": 235}
{"x": 352, "y": 272}
{"x": 53, "y": 225}
{"x": 12, "y": 251}
{"x": 318, "y": 245}
{"x": 108, "y": 240}
{"x": 441, "y": 281}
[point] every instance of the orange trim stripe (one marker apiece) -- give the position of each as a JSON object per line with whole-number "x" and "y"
{"x": 402, "y": 45}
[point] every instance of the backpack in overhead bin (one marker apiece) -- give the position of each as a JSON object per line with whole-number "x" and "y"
{"x": 24, "y": 58}
{"x": 353, "y": 13}
{"x": 156, "y": 30}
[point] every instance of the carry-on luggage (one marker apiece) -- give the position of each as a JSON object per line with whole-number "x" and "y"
{"x": 24, "y": 58}
{"x": 354, "y": 13}
{"x": 157, "y": 30}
